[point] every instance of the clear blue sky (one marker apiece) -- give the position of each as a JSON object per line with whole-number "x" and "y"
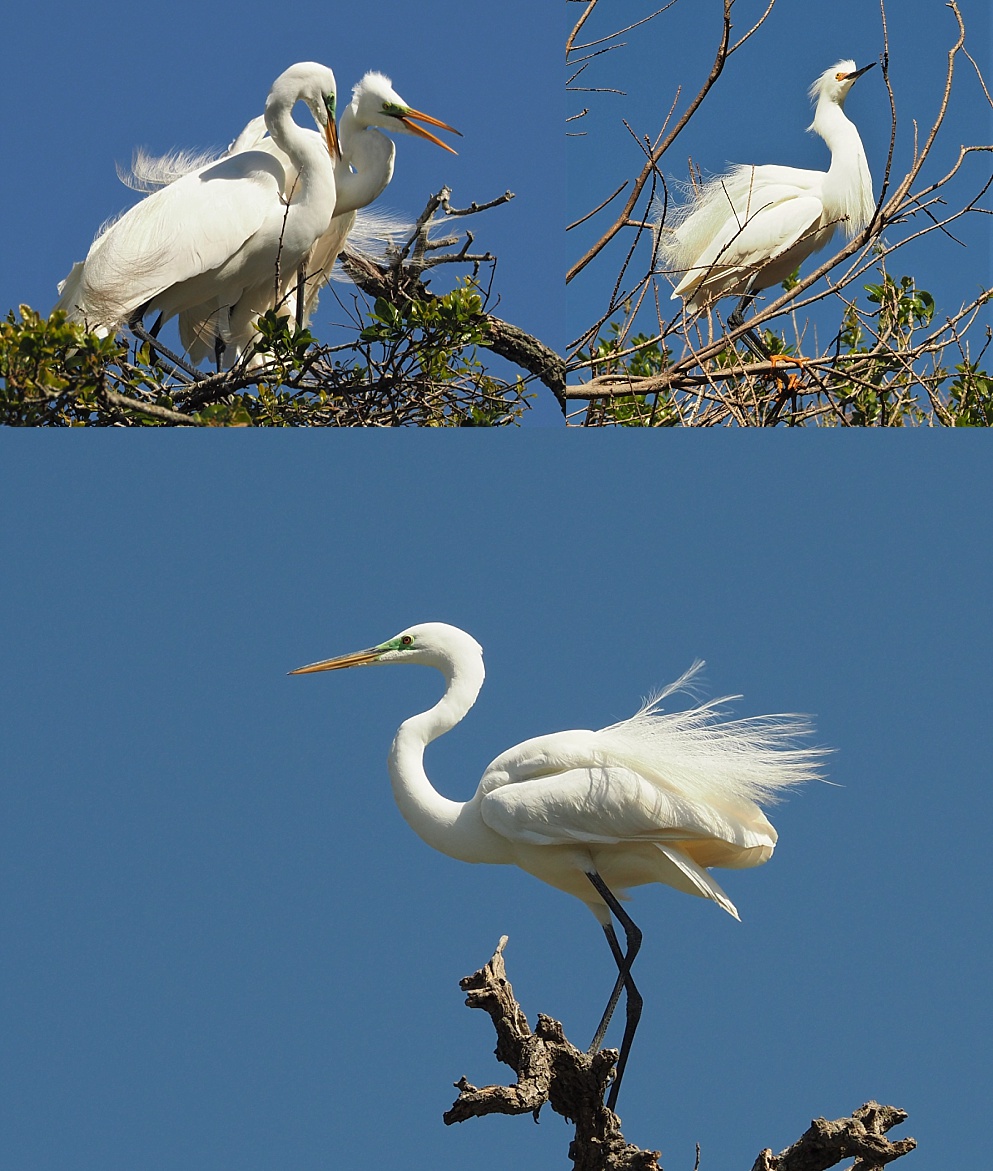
{"x": 224, "y": 949}
{"x": 759, "y": 112}
{"x": 87, "y": 84}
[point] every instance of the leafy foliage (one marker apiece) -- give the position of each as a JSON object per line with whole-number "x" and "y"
{"x": 878, "y": 376}
{"x": 415, "y": 362}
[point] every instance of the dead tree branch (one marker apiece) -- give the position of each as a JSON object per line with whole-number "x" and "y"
{"x": 551, "y": 1069}
{"x": 397, "y": 282}
{"x": 825, "y": 1144}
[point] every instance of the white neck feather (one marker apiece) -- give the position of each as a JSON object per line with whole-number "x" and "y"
{"x": 315, "y": 185}
{"x": 848, "y": 187}
{"x": 451, "y": 827}
{"x": 371, "y": 155}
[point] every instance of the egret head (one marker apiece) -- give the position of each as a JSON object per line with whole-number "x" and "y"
{"x": 376, "y": 103}
{"x": 314, "y": 84}
{"x": 435, "y": 644}
{"x": 834, "y": 83}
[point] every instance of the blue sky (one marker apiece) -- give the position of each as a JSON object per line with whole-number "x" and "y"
{"x": 759, "y": 111}
{"x": 225, "y": 949}
{"x": 90, "y": 83}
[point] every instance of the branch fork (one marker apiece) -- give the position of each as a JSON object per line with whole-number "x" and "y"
{"x": 551, "y": 1069}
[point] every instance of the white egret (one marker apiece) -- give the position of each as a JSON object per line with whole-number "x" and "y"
{"x": 750, "y": 228}
{"x": 655, "y": 798}
{"x": 221, "y": 230}
{"x": 362, "y": 173}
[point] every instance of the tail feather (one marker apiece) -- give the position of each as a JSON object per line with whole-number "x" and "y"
{"x": 699, "y": 878}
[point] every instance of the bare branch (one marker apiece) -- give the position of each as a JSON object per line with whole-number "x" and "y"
{"x": 648, "y": 169}
{"x": 549, "y": 1068}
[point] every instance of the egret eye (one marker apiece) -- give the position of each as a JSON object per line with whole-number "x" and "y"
{"x": 407, "y": 640}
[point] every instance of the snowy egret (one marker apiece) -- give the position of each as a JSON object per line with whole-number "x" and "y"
{"x": 220, "y": 230}
{"x": 655, "y": 798}
{"x": 752, "y": 227}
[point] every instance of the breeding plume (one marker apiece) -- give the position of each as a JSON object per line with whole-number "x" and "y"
{"x": 752, "y": 227}
{"x": 661, "y": 797}
{"x": 220, "y": 231}
{"x": 362, "y": 173}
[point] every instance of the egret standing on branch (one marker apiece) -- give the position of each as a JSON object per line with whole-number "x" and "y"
{"x": 220, "y": 230}
{"x": 656, "y": 798}
{"x": 362, "y": 173}
{"x": 751, "y": 228}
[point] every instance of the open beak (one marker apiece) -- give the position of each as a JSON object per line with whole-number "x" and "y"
{"x": 331, "y": 134}
{"x": 355, "y": 659}
{"x": 859, "y": 72}
{"x": 422, "y": 133}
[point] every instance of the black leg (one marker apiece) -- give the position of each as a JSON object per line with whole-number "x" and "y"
{"x": 615, "y": 994}
{"x": 301, "y": 292}
{"x": 749, "y": 337}
{"x": 219, "y": 348}
{"x": 737, "y": 316}
{"x": 633, "y": 999}
{"x": 142, "y": 334}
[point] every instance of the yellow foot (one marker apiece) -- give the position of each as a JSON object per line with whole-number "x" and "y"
{"x": 792, "y": 381}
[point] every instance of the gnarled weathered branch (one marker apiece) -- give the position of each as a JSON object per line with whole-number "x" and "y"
{"x": 551, "y": 1069}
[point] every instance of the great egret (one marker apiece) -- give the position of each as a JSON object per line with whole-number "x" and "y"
{"x": 221, "y": 230}
{"x": 362, "y": 173}
{"x": 749, "y": 229}
{"x": 655, "y": 798}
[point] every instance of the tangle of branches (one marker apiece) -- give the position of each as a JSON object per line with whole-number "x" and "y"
{"x": 891, "y": 358}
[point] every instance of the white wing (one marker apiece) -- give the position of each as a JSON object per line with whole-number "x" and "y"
{"x": 218, "y": 209}
{"x": 611, "y": 805}
{"x": 605, "y": 807}
{"x": 690, "y": 776}
{"x": 745, "y": 246}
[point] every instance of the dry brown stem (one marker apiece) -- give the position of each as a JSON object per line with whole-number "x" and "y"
{"x": 662, "y": 144}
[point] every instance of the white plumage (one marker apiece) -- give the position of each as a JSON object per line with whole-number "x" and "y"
{"x": 362, "y": 173}
{"x": 221, "y": 230}
{"x": 752, "y": 227}
{"x": 660, "y": 797}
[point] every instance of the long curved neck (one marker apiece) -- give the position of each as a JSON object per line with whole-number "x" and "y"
{"x": 314, "y": 187}
{"x": 848, "y": 186}
{"x": 366, "y": 165}
{"x": 436, "y": 819}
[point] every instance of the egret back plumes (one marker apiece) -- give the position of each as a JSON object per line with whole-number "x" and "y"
{"x": 373, "y": 232}
{"x": 220, "y": 230}
{"x": 750, "y": 228}
{"x": 660, "y": 797}
{"x": 700, "y": 754}
{"x": 148, "y": 172}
